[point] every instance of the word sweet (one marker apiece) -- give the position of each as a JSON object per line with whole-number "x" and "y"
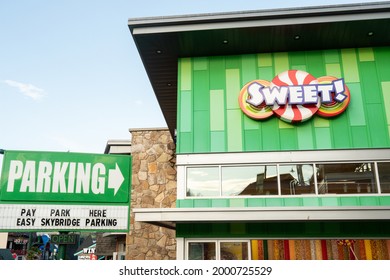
{"x": 294, "y": 96}
{"x": 300, "y": 94}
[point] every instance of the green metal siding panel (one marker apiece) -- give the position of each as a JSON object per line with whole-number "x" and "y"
{"x": 233, "y": 87}
{"x": 185, "y": 114}
{"x": 286, "y": 230}
{"x": 311, "y": 201}
{"x": 202, "y": 203}
{"x": 238, "y": 202}
{"x": 185, "y": 74}
{"x": 211, "y": 86}
{"x": 315, "y": 63}
{"x": 293, "y": 201}
{"x": 274, "y": 202}
{"x": 270, "y": 130}
{"x": 234, "y": 130}
{"x": 349, "y": 201}
{"x": 217, "y": 73}
{"x": 369, "y": 82}
{"x": 323, "y": 138}
{"x": 256, "y": 202}
{"x": 266, "y": 73}
{"x": 201, "y": 91}
{"x": 217, "y": 110}
{"x": 201, "y": 131}
{"x": 350, "y": 66}
{"x": 369, "y": 201}
{"x": 220, "y": 203}
{"x": 200, "y": 63}
{"x": 330, "y": 201}
{"x": 233, "y": 62}
{"x": 333, "y": 69}
{"x": 252, "y": 140}
{"x": 320, "y": 122}
{"x": 185, "y": 141}
{"x": 297, "y": 58}
{"x": 217, "y": 141}
{"x": 386, "y": 98}
{"x": 305, "y": 136}
{"x": 264, "y": 59}
{"x": 384, "y": 200}
{"x": 331, "y": 56}
{"x": 281, "y": 62}
{"x": 237, "y": 229}
{"x": 286, "y": 201}
{"x": 251, "y": 124}
{"x": 288, "y": 139}
{"x": 185, "y": 203}
{"x": 377, "y": 126}
{"x": 355, "y": 108}
{"x": 341, "y": 133}
{"x": 299, "y": 67}
{"x": 382, "y": 59}
{"x": 248, "y": 68}
{"x": 366, "y": 54}
{"x": 359, "y": 136}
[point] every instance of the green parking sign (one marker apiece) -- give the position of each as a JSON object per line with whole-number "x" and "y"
{"x": 65, "y": 177}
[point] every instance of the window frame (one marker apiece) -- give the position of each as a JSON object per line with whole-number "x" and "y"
{"x": 305, "y": 158}
{"x": 217, "y": 242}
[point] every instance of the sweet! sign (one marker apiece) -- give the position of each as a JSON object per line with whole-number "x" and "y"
{"x": 294, "y": 96}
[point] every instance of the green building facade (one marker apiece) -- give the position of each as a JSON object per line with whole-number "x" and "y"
{"x": 269, "y": 188}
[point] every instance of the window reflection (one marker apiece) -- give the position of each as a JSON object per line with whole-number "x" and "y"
{"x": 234, "y": 250}
{"x": 384, "y": 176}
{"x": 203, "y": 181}
{"x": 249, "y": 180}
{"x": 296, "y": 179}
{"x": 227, "y": 250}
{"x": 345, "y": 178}
{"x": 201, "y": 251}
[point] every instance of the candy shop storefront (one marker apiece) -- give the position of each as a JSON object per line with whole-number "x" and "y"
{"x": 282, "y": 126}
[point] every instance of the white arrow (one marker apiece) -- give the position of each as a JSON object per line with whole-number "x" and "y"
{"x": 115, "y": 179}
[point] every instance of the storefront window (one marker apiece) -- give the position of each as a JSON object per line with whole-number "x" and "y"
{"x": 201, "y": 251}
{"x": 296, "y": 179}
{"x": 218, "y": 250}
{"x": 346, "y": 178}
{"x": 249, "y": 180}
{"x": 203, "y": 181}
{"x": 287, "y": 179}
{"x": 384, "y": 176}
{"x": 234, "y": 250}
{"x": 297, "y": 249}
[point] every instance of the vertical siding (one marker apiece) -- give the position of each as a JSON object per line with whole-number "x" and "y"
{"x": 210, "y": 120}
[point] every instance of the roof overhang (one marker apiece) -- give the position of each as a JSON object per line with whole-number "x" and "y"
{"x": 168, "y": 217}
{"x": 118, "y": 147}
{"x": 162, "y": 40}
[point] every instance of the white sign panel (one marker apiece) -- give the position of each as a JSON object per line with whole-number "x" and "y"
{"x": 15, "y": 217}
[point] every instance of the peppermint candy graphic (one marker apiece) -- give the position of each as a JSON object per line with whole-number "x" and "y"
{"x": 293, "y": 113}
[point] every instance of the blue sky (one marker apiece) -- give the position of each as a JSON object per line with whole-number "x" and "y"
{"x": 70, "y": 75}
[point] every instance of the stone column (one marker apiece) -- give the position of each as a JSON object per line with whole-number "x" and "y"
{"x": 153, "y": 186}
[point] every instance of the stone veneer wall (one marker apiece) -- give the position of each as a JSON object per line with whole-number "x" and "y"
{"x": 153, "y": 186}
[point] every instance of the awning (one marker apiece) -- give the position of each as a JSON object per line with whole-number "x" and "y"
{"x": 168, "y": 217}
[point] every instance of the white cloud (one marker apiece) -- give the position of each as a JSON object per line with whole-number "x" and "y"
{"x": 27, "y": 89}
